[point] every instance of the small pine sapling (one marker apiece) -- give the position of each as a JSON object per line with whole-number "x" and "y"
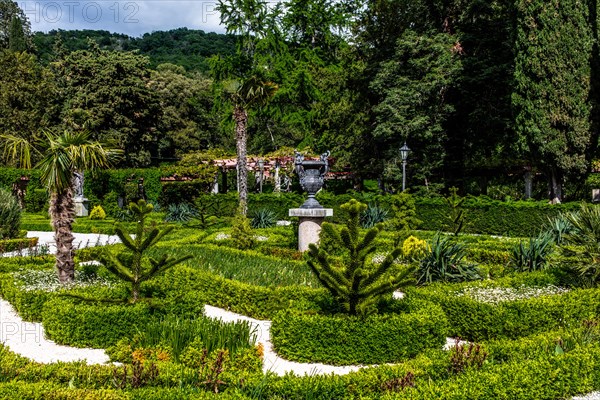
{"x": 131, "y": 266}
{"x": 404, "y": 217}
{"x": 241, "y": 231}
{"x": 355, "y": 285}
{"x": 456, "y": 217}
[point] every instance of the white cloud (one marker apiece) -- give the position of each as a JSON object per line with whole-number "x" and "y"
{"x": 130, "y": 17}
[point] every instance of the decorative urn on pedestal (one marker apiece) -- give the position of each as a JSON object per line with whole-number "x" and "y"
{"x": 311, "y": 174}
{"x": 311, "y": 213}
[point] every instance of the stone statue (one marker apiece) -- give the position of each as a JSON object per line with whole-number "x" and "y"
{"x": 324, "y": 157}
{"x": 298, "y": 162}
{"x": 78, "y": 184}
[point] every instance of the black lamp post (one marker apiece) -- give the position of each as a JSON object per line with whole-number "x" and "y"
{"x": 404, "y": 150}
{"x": 261, "y": 166}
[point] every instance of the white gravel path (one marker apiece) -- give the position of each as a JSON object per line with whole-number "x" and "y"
{"x": 271, "y": 361}
{"x": 589, "y": 396}
{"x": 46, "y": 239}
{"x": 28, "y": 340}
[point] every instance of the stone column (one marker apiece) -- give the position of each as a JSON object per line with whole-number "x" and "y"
{"x": 310, "y": 224}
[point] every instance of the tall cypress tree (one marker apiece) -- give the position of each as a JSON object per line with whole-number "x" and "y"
{"x": 552, "y": 87}
{"x": 16, "y": 37}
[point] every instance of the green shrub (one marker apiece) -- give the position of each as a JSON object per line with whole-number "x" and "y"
{"x": 263, "y": 218}
{"x": 356, "y": 285}
{"x": 478, "y": 320}
{"x": 92, "y": 325}
{"x": 97, "y": 213}
{"x": 110, "y": 203}
{"x": 492, "y": 217}
{"x": 10, "y": 215}
{"x": 443, "y": 262}
{"x": 241, "y": 232}
{"x": 347, "y": 340}
{"x": 404, "y": 214}
{"x": 184, "y": 291}
{"x": 36, "y": 200}
{"x": 17, "y": 244}
{"x": 29, "y": 304}
{"x": 133, "y": 266}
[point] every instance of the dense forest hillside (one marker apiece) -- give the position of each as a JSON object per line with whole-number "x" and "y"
{"x": 483, "y": 93}
{"x": 185, "y": 47}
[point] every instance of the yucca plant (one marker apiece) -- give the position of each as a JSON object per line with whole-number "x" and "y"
{"x": 182, "y": 212}
{"x": 10, "y": 215}
{"x": 131, "y": 266}
{"x": 444, "y": 262}
{"x": 558, "y": 227}
{"x": 581, "y": 246}
{"x": 263, "y": 218}
{"x": 355, "y": 285}
{"x": 373, "y": 215}
{"x": 534, "y": 256}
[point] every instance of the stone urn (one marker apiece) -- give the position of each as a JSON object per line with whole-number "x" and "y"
{"x": 311, "y": 174}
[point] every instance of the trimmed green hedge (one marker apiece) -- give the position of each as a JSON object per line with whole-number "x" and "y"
{"x": 346, "y": 340}
{"x": 17, "y": 244}
{"x": 483, "y": 215}
{"x": 486, "y": 216}
{"x": 184, "y": 291}
{"x": 92, "y": 325}
{"x": 474, "y": 320}
{"x": 225, "y": 205}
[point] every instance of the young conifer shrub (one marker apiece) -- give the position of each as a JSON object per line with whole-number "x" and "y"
{"x": 132, "y": 265}
{"x": 241, "y": 231}
{"x": 98, "y": 213}
{"x": 356, "y": 285}
{"x": 10, "y": 215}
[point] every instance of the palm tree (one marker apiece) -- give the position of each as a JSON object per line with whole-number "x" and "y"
{"x": 62, "y": 155}
{"x": 252, "y": 93}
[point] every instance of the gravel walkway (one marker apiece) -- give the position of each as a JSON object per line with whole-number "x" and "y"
{"x": 46, "y": 242}
{"x": 28, "y": 340}
{"x": 271, "y": 361}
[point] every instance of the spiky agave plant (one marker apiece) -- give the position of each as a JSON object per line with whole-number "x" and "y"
{"x": 356, "y": 285}
{"x": 581, "y": 246}
{"x": 131, "y": 266}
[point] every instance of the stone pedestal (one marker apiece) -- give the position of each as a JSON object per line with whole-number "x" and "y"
{"x": 310, "y": 224}
{"x": 82, "y": 207}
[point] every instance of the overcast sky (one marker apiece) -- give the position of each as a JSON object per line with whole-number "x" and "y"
{"x": 133, "y": 18}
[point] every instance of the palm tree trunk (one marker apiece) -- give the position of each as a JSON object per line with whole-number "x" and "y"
{"x": 240, "y": 116}
{"x": 62, "y": 215}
